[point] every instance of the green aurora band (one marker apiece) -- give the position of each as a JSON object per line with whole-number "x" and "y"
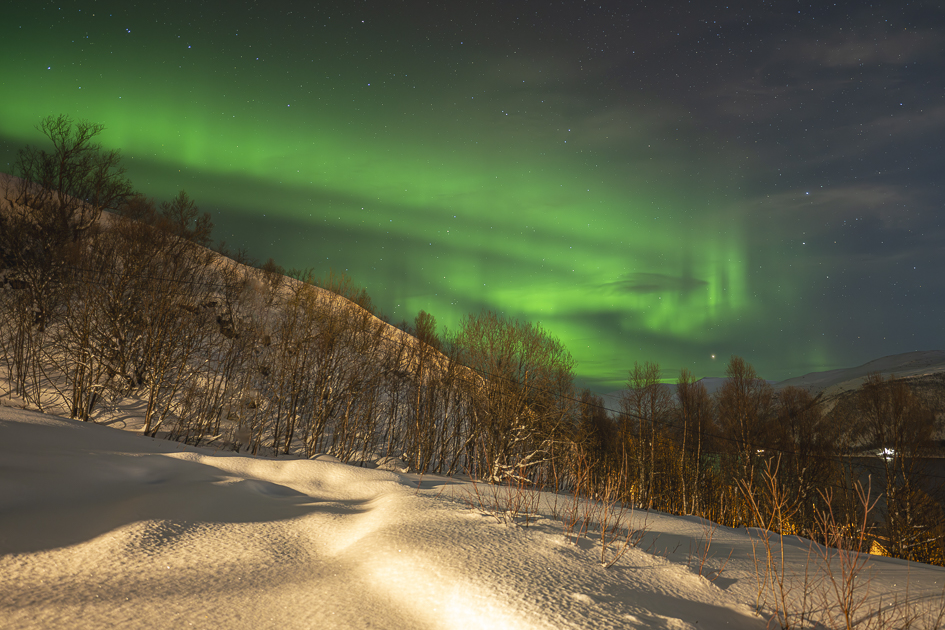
{"x": 616, "y": 241}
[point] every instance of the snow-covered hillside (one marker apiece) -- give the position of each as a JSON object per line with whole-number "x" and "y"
{"x": 906, "y": 365}
{"x": 102, "y": 528}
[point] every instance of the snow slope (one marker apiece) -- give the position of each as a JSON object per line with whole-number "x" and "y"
{"x": 102, "y": 528}
{"x": 904, "y": 365}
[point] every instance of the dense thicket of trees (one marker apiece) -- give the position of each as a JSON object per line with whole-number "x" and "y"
{"x": 97, "y": 308}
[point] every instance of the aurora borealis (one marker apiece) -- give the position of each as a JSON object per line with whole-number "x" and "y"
{"x": 661, "y": 183}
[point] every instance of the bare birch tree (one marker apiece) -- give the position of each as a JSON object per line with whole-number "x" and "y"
{"x": 694, "y": 413}
{"x": 646, "y": 405}
{"x": 526, "y": 395}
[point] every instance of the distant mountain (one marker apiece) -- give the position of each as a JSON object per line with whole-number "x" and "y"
{"x": 832, "y": 383}
{"x": 908, "y": 365}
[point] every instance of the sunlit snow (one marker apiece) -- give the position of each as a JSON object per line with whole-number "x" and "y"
{"x": 103, "y": 528}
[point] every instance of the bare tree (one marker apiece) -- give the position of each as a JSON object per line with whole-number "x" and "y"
{"x": 646, "y": 405}
{"x": 597, "y": 443}
{"x": 745, "y": 408}
{"x": 426, "y": 371}
{"x": 901, "y": 427}
{"x": 90, "y": 338}
{"x": 168, "y": 328}
{"x": 807, "y": 444}
{"x": 694, "y": 413}
{"x": 291, "y": 373}
{"x": 59, "y": 194}
{"x": 67, "y": 189}
{"x": 525, "y": 399}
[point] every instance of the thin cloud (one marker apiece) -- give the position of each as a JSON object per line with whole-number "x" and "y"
{"x": 656, "y": 283}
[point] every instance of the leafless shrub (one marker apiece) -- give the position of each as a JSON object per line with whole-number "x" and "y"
{"x": 510, "y": 503}
{"x": 773, "y": 511}
{"x": 844, "y": 558}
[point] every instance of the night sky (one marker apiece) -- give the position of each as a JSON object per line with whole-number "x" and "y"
{"x": 673, "y": 181}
